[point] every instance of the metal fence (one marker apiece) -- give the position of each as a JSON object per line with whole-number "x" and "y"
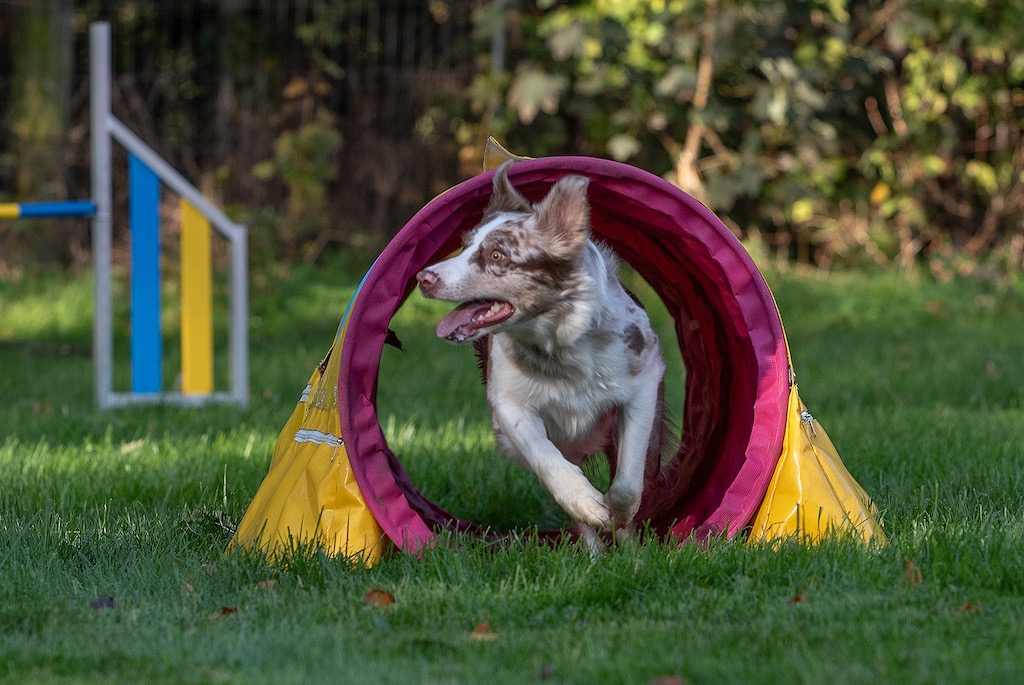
{"x": 212, "y": 85}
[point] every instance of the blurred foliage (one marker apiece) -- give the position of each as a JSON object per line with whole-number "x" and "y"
{"x": 306, "y": 151}
{"x": 307, "y": 120}
{"x": 881, "y": 132}
{"x": 834, "y": 131}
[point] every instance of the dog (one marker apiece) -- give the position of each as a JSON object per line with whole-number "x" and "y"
{"x": 572, "y": 364}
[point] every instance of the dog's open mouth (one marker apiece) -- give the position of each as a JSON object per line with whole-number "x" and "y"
{"x": 469, "y": 318}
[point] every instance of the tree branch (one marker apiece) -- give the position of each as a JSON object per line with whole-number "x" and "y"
{"x": 687, "y": 175}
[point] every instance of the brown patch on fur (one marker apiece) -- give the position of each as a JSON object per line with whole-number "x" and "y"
{"x": 550, "y": 273}
{"x": 482, "y": 350}
{"x": 502, "y": 240}
{"x": 533, "y": 361}
{"x": 505, "y": 239}
{"x": 634, "y": 339}
{"x": 637, "y": 343}
{"x": 468, "y": 236}
{"x": 554, "y": 292}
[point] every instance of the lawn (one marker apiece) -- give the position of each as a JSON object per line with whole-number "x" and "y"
{"x": 113, "y": 525}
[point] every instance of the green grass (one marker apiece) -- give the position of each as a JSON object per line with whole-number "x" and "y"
{"x": 919, "y": 384}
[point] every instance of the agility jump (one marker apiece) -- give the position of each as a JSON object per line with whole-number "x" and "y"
{"x": 148, "y": 174}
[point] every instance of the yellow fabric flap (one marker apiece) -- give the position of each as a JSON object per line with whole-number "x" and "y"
{"x": 495, "y": 154}
{"x": 310, "y": 495}
{"x": 811, "y": 494}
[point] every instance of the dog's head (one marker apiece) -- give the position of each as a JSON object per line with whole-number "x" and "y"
{"x": 516, "y": 264}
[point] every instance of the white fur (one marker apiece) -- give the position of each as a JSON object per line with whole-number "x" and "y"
{"x": 549, "y": 415}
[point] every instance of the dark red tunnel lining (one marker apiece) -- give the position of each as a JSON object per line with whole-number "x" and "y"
{"x": 729, "y": 333}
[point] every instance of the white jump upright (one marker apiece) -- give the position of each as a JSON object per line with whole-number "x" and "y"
{"x": 105, "y": 129}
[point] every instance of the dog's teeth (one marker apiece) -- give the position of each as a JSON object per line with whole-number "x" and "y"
{"x": 491, "y": 311}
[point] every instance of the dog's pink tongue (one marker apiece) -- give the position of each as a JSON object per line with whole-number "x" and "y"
{"x": 468, "y": 318}
{"x": 456, "y": 325}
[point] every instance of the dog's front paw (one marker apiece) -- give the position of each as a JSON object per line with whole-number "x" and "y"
{"x": 581, "y": 501}
{"x": 586, "y": 505}
{"x": 622, "y": 507}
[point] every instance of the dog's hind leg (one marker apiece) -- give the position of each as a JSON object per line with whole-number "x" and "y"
{"x": 639, "y": 419}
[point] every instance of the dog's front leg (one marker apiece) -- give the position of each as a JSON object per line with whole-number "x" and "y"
{"x": 523, "y": 437}
{"x": 636, "y": 428}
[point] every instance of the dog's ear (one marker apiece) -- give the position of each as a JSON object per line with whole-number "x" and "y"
{"x": 505, "y": 198}
{"x": 564, "y": 217}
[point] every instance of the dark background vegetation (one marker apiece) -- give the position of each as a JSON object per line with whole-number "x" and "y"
{"x": 877, "y": 132}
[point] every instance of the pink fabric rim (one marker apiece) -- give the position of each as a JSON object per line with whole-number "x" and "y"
{"x": 730, "y": 335}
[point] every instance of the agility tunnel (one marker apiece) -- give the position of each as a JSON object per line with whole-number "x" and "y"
{"x": 752, "y": 460}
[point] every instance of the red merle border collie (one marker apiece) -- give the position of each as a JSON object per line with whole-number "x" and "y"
{"x": 573, "y": 366}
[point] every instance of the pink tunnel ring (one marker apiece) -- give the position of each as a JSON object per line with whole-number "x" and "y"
{"x": 729, "y": 331}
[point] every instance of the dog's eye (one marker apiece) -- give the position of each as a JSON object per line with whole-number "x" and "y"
{"x": 497, "y": 256}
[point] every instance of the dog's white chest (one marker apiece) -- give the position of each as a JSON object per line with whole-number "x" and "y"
{"x": 572, "y": 397}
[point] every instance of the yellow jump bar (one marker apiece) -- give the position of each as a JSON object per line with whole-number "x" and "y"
{"x": 196, "y": 303}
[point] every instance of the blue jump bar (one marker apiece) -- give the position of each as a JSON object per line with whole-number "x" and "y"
{"x": 70, "y": 208}
{"x": 144, "y": 226}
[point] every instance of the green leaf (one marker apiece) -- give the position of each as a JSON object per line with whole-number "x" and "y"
{"x": 801, "y": 210}
{"x": 983, "y": 175}
{"x": 622, "y": 146}
{"x": 264, "y": 170}
{"x": 533, "y": 91}
{"x": 566, "y": 43}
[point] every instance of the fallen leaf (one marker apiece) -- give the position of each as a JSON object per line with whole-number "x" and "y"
{"x": 483, "y": 633}
{"x": 186, "y": 587}
{"x": 796, "y": 599}
{"x": 267, "y": 585}
{"x": 378, "y": 598}
{"x": 102, "y": 602}
{"x": 970, "y": 607}
{"x": 222, "y": 613}
{"x": 912, "y": 573}
{"x": 668, "y": 680}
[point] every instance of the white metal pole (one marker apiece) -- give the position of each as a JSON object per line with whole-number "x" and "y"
{"x": 239, "y": 334}
{"x": 102, "y": 228}
{"x": 170, "y": 177}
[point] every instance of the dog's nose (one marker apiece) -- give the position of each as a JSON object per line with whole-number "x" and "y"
{"x": 426, "y": 278}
